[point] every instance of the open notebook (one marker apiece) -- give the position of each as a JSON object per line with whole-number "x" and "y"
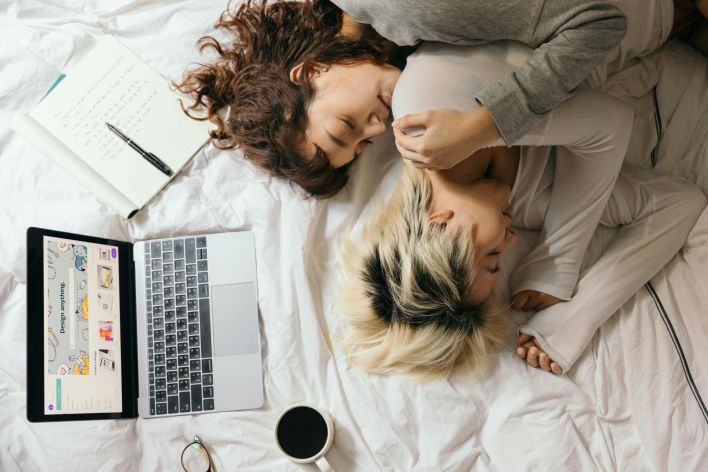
{"x": 112, "y": 84}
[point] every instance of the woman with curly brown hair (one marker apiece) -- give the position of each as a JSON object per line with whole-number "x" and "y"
{"x": 277, "y": 81}
{"x": 260, "y": 89}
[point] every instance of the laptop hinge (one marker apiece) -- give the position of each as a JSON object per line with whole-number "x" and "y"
{"x": 133, "y": 336}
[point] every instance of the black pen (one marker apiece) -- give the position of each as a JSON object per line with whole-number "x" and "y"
{"x": 150, "y": 157}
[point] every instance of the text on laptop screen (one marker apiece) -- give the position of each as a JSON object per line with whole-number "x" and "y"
{"x": 82, "y": 323}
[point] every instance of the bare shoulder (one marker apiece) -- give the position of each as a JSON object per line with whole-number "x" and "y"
{"x": 503, "y": 164}
{"x": 474, "y": 167}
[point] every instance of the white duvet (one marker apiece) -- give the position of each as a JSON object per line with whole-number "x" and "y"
{"x": 631, "y": 402}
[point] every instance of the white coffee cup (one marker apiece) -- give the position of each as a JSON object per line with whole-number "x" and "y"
{"x": 304, "y": 433}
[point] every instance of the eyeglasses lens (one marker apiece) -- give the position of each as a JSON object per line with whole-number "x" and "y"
{"x": 195, "y": 458}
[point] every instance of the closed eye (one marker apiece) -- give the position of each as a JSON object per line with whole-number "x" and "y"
{"x": 495, "y": 269}
{"x": 367, "y": 142}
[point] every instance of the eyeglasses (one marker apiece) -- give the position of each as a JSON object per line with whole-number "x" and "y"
{"x": 195, "y": 457}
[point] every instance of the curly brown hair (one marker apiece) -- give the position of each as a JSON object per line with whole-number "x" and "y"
{"x": 267, "y": 112}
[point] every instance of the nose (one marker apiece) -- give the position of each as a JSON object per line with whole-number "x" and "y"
{"x": 509, "y": 241}
{"x": 374, "y": 127}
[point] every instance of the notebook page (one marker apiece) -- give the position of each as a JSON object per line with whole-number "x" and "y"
{"x": 111, "y": 84}
{"x": 45, "y": 142}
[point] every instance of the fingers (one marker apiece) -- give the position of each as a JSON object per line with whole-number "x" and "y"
{"x": 415, "y": 120}
{"x": 542, "y": 305}
{"x": 520, "y": 299}
{"x": 526, "y": 300}
{"x": 531, "y": 300}
{"x": 406, "y": 141}
{"x": 522, "y": 351}
{"x": 534, "y": 304}
{"x": 407, "y": 152}
{"x": 535, "y": 356}
{"x": 417, "y": 160}
{"x": 544, "y": 361}
{"x": 523, "y": 339}
{"x": 532, "y": 357}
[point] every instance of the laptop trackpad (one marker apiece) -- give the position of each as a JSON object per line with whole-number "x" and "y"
{"x": 235, "y": 319}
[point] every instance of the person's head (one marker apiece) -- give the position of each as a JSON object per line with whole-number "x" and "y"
{"x": 482, "y": 208}
{"x": 287, "y": 67}
{"x": 408, "y": 285}
{"x": 350, "y": 106}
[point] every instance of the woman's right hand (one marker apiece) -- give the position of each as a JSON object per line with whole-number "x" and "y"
{"x": 448, "y": 137}
{"x": 531, "y": 300}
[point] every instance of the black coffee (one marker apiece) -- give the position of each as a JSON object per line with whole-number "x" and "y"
{"x": 302, "y": 432}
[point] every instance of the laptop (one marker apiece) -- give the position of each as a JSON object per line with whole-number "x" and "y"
{"x": 157, "y": 328}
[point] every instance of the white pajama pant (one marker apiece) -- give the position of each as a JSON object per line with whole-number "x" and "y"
{"x": 654, "y": 214}
{"x": 591, "y": 132}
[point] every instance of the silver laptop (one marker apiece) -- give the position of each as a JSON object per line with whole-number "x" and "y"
{"x": 200, "y": 349}
{"x": 181, "y": 312}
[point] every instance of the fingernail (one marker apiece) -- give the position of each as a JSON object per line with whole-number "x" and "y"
{"x": 395, "y": 123}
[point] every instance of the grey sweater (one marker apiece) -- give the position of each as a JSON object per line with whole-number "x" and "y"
{"x": 571, "y": 37}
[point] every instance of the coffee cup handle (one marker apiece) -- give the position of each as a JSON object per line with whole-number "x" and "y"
{"x": 324, "y": 465}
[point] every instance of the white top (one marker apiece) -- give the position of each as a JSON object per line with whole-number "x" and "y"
{"x": 563, "y": 197}
{"x": 564, "y": 187}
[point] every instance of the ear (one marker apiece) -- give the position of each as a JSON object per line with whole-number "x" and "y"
{"x": 441, "y": 217}
{"x": 301, "y": 71}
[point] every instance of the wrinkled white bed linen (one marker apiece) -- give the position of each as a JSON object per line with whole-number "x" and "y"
{"x": 627, "y": 405}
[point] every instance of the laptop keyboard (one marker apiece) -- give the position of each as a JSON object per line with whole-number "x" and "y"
{"x": 179, "y": 326}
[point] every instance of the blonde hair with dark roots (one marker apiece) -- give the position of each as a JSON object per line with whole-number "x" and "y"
{"x": 405, "y": 288}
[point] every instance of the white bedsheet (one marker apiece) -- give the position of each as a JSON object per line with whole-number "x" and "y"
{"x": 626, "y": 405}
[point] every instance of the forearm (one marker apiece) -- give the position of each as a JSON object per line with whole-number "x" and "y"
{"x": 571, "y": 39}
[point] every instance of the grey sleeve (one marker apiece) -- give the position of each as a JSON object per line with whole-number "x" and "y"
{"x": 571, "y": 38}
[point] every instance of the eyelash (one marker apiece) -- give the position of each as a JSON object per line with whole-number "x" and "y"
{"x": 493, "y": 270}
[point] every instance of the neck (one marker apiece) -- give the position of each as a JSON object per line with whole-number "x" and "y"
{"x": 471, "y": 169}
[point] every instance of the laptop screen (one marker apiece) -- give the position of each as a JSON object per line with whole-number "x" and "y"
{"x": 82, "y": 356}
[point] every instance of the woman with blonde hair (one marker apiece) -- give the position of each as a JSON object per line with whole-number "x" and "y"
{"x": 417, "y": 289}
{"x": 407, "y": 291}
{"x": 418, "y": 286}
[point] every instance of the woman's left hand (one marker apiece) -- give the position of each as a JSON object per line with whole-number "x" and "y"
{"x": 448, "y": 136}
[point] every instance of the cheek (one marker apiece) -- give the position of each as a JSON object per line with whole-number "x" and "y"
{"x": 491, "y": 230}
{"x": 482, "y": 287}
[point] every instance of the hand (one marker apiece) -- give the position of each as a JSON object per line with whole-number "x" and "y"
{"x": 531, "y": 300}
{"x": 450, "y": 136}
{"x": 529, "y": 350}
